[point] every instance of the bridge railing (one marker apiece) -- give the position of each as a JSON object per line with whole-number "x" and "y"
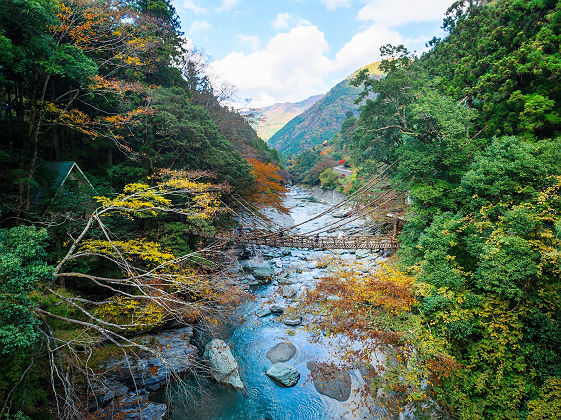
{"x": 313, "y": 242}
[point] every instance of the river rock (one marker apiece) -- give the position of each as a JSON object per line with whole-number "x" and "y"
{"x": 263, "y": 312}
{"x": 242, "y": 252}
{"x": 283, "y": 373}
{"x": 271, "y": 253}
{"x": 288, "y": 292}
{"x": 264, "y": 274}
{"x": 276, "y": 309}
{"x": 143, "y": 373}
{"x": 253, "y": 282}
{"x": 293, "y": 321}
{"x": 149, "y": 371}
{"x": 130, "y": 408}
{"x": 362, "y": 253}
{"x": 223, "y": 365}
{"x": 282, "y": 352}
{"x": 286, "y": 252}
{"x": 262, "y": 271}
{"x": 369, "y": 375}
{"x": 285, "y": 280}
{"x": 330, "y": 380}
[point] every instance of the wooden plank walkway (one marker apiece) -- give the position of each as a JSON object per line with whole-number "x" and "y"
{"x": 374, "y": 242}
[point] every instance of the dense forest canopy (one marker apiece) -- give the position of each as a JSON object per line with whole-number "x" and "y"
{"x": 474, "y": 127}
{"x": 117, "y": 161}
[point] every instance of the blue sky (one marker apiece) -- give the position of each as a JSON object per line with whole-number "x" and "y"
{"x": 278, "y": 51}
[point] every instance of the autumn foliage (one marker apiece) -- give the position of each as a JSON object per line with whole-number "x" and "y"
{"x": 269, "y": 189}
{"x": 169, "y": 286}
{"x": 376, "y": 311}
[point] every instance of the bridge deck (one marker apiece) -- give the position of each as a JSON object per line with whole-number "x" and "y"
{"x": 322, "y": 242}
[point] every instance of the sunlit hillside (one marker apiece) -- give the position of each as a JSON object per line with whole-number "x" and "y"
{"x": 323, "y": 120}
{"x": 272, "y": 118}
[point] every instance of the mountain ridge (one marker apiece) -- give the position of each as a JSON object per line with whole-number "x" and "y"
{"x": 323, "y": 119}
{"x": 272, "y": 118}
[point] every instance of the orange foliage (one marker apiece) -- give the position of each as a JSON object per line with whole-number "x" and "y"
{"x": 375, "y": 311}
{"x": 106, "y": 28}
{"x": 96, "y": 127}
{"x": 117, "y": 38}
{"x": 269, "y": 190}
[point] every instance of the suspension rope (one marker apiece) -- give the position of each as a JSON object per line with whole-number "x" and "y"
{"x": 364, "y": 214}
{"x": 357, "y": 215}
{"x": 262, "y": 219}
{"x": 351, "y": 197}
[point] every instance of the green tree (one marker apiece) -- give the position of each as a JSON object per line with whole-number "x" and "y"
{"x": 23, "y": 271}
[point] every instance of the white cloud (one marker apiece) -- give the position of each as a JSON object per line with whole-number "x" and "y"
{"x": 192, "y": 6}
{"x": 400, "y": 12}
{"x": 199, "y": 26}
{"x": 253, "y": 41}
{"x": 292, "y": 66}
{"x": 364, "y": 48}
{"x": 295, "y": 64}
{"x": 282, "y": 21}
{"x": 334, "y": 4}
{"x": 226, "y": 5}
{"x": 286, "y": 20}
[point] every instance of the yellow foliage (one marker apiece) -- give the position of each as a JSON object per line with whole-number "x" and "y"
{"x": 548, "y": 405}
{"x": 138, "y": 249}
{"x": 132, "y": 313}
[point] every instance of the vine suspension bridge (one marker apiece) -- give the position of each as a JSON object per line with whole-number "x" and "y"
{"x": 264, "y": 231}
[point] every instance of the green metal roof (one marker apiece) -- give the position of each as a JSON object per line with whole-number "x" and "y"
{"x": 56, "y": 173}
{"x": 50, "y": 177}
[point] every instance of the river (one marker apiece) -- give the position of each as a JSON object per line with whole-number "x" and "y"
{"x": 251, "y": 338}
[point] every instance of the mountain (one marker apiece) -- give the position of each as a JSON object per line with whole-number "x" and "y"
{"x": 322, "y": 120}
{"x": 272, "y": 118}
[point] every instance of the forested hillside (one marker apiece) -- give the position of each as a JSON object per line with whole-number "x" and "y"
{"x": 125, "y": 178}
{"x": 270, "y": 119}
{"x": 320, "y": 122}
{"x": 116, "y": 161}
{"x": 474, "y": 127}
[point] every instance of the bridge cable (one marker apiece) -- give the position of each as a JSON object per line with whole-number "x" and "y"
{"x": 369, "y": 184}
{"x": 365, "y": 210}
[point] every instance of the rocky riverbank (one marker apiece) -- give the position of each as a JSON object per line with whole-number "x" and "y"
{"x": 284, "y": 370}
{"x": 129, "y": 381}
{"x": 269, "y": 367}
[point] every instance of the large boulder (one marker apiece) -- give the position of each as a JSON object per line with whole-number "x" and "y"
{"x": 282, "y": 352}
{"x": 292, "y": 320}
{"x": 263, "y": 312}
{"x": 223, "y": 365}
{"x": 283, "y": 373}
{"x": 143, "y": 373}
{"x": 276, "y": 308}
{"x": 132, "y": 408}
{"x": 263, "y": 272}
{"x": 289, "y": 292}
{"x": 286, "y": 280}
{"x": 173, "y": 355}
{"x": 330, "y": 380}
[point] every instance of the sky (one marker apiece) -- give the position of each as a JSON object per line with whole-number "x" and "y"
{"x": 287, "y": 50}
